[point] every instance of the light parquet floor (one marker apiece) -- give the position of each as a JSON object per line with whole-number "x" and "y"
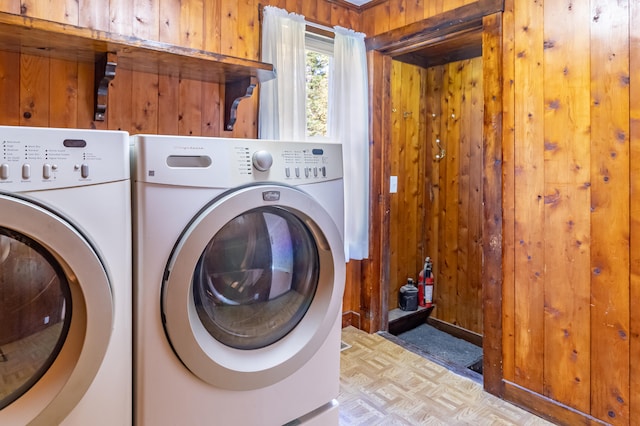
{"x": 382, "y": 383}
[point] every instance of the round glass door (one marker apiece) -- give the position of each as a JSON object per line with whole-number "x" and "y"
{"x": 256, "y": 278}
{"x": 35, "y": 314}
{"x": 253, "y": 286}
{"x": 56, "y": 313}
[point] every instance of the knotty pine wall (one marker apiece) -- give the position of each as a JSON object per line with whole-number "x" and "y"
{"x": 437, "y": 209}
{"x": 571, "y": 208}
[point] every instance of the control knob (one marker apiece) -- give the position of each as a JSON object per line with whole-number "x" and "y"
{"x": 262, "y": 160}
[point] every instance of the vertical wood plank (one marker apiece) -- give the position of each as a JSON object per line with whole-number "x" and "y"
{"x": 634, "y": 211}
{"x": 86, "y": 99}
{"x": 146, "y": 19}
{"x": 168, "y": 105}
{"x": 190, "y": 118}
{"x": 610, "y": 210}
{"x": 93, "y": 14}
{"x": 492, "y": 56}
{"x": 169, "y": 26}
{"x": 434, "y": 118}
{"x": 10, "y": 88}
{"x": 395, "y": 231}
{"x": 192, "y": 24}
{"x": 508, "y": 148}
{"x": 64, "y": 11}
{"x": 120, "y": 108}
{"x": 121, "y": 17}
{"x": 211, "y": 109}
{"x": 34, "y": 91}
{"x": 397, "y": 13}
{"x": 63, "y": 96}
{"x": 10, "y": 6}
{"x": 227, "y": 27}
{"x": 567, "y": 361}
{"x": 463, "y": 307}
{"x": 529, "y": 206}
{"x": 475, "y": 128}
{"x": 144, "y": 106}
{"x": 212, "y": 25}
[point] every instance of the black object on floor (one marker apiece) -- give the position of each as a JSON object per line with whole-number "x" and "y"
{"x": 444, "y": 346}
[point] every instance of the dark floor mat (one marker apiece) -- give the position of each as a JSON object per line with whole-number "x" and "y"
{"x": 442, "y": 345}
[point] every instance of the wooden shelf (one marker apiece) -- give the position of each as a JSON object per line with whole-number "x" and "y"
{"x": 44, "y": 38}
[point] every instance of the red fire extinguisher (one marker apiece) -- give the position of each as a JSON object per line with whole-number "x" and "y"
{"x": 425, "y": 285}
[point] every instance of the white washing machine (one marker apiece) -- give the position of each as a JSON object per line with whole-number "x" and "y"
{"x": 65, "y": 277}
{"x": 239, "y": 274}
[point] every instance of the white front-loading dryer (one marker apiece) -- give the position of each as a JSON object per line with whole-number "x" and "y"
{"x": 239, "y": 274}
{"x": 65, "y": 277}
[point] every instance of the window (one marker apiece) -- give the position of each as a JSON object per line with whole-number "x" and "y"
{"x": 319, "y": 57}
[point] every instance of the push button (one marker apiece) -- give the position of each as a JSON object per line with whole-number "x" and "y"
{"x": 84, "y": 171}
{"x": 4, "y": 171}
{"x": 26, "y": 171}
{"x": 46, "y": 171}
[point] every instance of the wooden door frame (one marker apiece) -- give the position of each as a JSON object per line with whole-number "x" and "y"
{"x": 451, "y": 30}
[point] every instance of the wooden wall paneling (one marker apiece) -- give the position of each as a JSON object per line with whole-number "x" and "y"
{"x": 9, "y": 76}
{"x": 413, "y": 210}
{"x": 464, "y": 308}
{"x": 169, "y": 105}
{"x": 451, "y": 142}
{"x": 492, "y": 200}
{"x": 121, "y": 16}
{"x": 34, "y": 90}
{"x": 92, "y": 14}
{"x": 146, "y": 22}
{"x": 86, "y": 98}
{"x": 433, "y": 96}
{"x": 144, "y": 97}
{"x": 192, "y": 25}
{"x": 528, "y": 291}
{"x": 10, "y": 6}
{"x": 190, "y": 103}
{"x": 610, "y": 210}
{"x": 63, "y": 95}
{"x": 508, "y": 184}
{"x": 474, "y": 270}
{"x": 634, "y": 294}
{"x": 395, "y": 200}
{"x": 310, "y": 10}
{"x": 375, "y": 273}
{"x": 213, "y": 25}
{"x": 397, "y": 13}
{"x": 212, "y": 112}
{"x": 120, "y": 110}
{"x": 634, "y": 211}
{"x": 65, "y": 11}
{"x": 415, "y": 9}
{"x": 169, "y": 17}
{"x": 567, "y": 362}
{"x": 380, "y": 16}
{"x": 440, "y": 289}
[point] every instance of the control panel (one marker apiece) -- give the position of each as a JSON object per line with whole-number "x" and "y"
{"x": 232, "y": 162}
{"x": 41, "y": 158}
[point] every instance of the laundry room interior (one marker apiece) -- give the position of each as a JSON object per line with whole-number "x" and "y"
{"x": 504, "y": 150}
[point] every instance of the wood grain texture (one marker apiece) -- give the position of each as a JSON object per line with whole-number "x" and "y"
{"x": 610, "y": 210}
{"x": 565, "y": 170}
{"x": 529, "y": 205}
{"x": 634, "y": 208}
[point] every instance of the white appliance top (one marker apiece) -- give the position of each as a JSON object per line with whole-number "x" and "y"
{"x": 40, "y": 158}
{"x": 229, "y": 162}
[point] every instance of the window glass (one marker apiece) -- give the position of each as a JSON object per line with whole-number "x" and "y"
{"x": 256, "y": 278}
{"x": 319, "y": 56}
{"x": 34, "y": 316}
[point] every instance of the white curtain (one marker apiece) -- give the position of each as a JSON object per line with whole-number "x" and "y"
{"x": 282, "y": 113}
{"x": 349, "y": 123}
